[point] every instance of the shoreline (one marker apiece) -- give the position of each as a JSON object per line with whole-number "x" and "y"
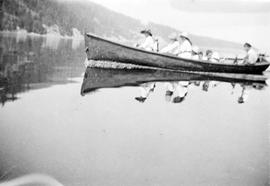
{"x": 24, "y": 33}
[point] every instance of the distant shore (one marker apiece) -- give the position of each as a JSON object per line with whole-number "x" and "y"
{"x": 22, "y": 32}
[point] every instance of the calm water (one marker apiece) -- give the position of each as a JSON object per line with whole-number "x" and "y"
{"x": 50, "y": 133}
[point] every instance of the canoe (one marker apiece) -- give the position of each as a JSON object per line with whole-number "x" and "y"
{"x": 98, "y": 48}
{"x": 97, "y": 78}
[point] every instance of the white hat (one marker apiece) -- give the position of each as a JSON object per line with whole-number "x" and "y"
{"x": 148, "y": 31}
{"x": 173, "y": 36}
{"x": 195, "y": 49}
{"x": 184, "y": 34}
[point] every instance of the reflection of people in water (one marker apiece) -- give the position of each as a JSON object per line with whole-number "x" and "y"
{"x": 197, "y": 83}
{"x": 178, "y": 90}
{"x": 145, "y": 89}
{"x": 245, "y": 90}
{"x": 170, "y": 87}
{"x": 244, "y": 95}
{"x": 181, "y": 90}
{"x": 233, "y": 87}
{"x": 258, "y": 86}
{"x": 205, "y": 86}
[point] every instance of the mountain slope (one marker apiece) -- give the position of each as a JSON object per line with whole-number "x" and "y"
{"x": 86, "y": 17}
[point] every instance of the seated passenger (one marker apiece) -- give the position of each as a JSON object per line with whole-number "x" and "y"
{"x": 185, "y": 47}
{"x": 149, "y": 42}
{"x": 251, "y": 56}
{"x": 200, "y": 54}
{"x": 195, "y": 53}
{"x": 173, "y": 46}
{"x": 215, "y": 57}
{"x": 208, "y": 55}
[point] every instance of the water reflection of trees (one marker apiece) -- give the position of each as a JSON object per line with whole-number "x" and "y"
{"x": 25, "y": 63}
{"x": 176, "y": 85}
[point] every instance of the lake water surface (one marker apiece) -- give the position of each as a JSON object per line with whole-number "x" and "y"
{"x": 218, "y": 134}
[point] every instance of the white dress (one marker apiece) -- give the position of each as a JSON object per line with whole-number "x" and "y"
{"x": 252, "y": 56}
{"x": 171, "y": 48}
{"x": 185, "y": 49}
{"x": 215, "y": 57}
{"x": 148, "y": 44}
{"x": 195, "y": 57}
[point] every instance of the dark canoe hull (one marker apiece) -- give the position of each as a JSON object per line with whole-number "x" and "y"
{"x": 101, "y": 49}
{"x": 96, "y": 78}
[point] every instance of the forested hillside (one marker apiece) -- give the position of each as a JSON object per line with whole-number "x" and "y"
{"x": 85, "y": 16}
{"x": 89, "y": 17}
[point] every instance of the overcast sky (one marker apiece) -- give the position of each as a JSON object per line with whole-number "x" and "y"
{"x": 235, "y": 20}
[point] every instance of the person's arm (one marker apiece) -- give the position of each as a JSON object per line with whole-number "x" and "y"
{"x": 245, "y": 59}
{"x": 250, "y": 60}
{"x": 169, "y": 48}
{"x": 166, "y": 49}
{"x": 253, "y": 58}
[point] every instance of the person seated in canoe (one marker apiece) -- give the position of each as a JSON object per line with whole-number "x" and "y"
{"x": 251, "y": 56}
{"x": 208, "y": 55}
{"x": 149, "y": 42}
{"x": 212, "y": 56}
{"x": 185, "y": 47}
{"x": 173, "y": 46}
{"x": 195, "y": 53}
{"x": 200, "y": 54}
{"x": 216, "y": 57}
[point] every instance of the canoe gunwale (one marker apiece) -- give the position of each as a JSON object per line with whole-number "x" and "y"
{"x": 175, "y": 57}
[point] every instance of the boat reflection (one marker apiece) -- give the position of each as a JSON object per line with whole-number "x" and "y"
{"x": 176, "y": 84}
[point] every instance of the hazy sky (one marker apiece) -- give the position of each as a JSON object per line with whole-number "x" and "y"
{"x": 235, "y": 20}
